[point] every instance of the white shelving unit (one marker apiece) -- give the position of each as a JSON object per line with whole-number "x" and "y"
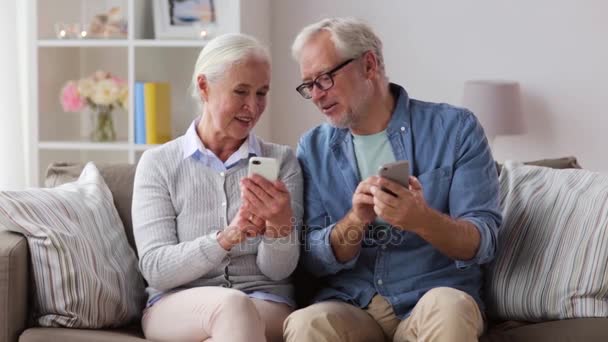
{"x": 56, "y": 135}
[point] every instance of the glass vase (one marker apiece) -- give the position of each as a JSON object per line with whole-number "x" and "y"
{"x": 102, "y": 128}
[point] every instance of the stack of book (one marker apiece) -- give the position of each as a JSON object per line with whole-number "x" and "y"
{"x": 152, "y": 112}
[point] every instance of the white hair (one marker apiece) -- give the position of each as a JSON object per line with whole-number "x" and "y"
{"x": 351, "y": 36}
{"x": 221, "y": 53}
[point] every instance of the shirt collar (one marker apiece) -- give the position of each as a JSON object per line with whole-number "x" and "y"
{"x": 401, "y": 114}
{"x": 194, "y": 147}
{"x": 399, "y": 121}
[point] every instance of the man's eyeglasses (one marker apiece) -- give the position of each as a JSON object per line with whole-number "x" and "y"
{"x": 323, "y": 82}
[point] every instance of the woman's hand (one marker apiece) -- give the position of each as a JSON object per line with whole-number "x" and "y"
{"x": 269, "y": 201}
{"x": 243, "y": 225}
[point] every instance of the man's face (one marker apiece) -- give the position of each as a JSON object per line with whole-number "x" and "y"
{"x": 343, "y": 103}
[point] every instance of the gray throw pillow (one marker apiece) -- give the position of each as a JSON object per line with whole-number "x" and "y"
{"x": 84, "y": 272}
{"x": 552, "y": 253}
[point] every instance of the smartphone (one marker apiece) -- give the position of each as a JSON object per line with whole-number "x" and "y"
{"x": 398, "y": 172}
{"x": 265, "y": 167}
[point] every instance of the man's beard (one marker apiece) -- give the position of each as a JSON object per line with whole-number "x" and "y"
{"x": 345, "y": 120}
{"x": 352, "y": 117}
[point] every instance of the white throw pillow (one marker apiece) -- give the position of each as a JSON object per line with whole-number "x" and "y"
{"x": 84, "y": 271}
{"x": 552, "y": 257}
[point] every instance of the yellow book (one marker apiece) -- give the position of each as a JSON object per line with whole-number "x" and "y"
{"x": 157, "y": 102}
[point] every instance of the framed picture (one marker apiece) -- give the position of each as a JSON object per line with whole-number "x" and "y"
{"x": 188, "y": 19}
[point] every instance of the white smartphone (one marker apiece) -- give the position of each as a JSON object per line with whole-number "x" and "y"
{"x": 398, "y": 172}
{"x": 265, "y": 167}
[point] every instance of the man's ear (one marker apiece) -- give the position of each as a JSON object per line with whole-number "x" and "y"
{"x": 370, "y": 63}
{"x": 203, "y": 87}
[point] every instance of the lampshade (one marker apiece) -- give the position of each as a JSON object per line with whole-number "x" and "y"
{"x": 496, "y": 104}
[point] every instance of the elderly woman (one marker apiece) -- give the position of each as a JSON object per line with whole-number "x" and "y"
{"x": 217, "y": 247}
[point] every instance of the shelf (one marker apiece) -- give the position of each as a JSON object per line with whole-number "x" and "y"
{"x": 93, "y": 146}
{"x": 120, "y": 43}
{"x": 143, "y": 147}
{"x": 83, "y": 43}
{"x": 84, "y": 145}
{"x": 169, "y": 43}
{"x": 55, "y": 135}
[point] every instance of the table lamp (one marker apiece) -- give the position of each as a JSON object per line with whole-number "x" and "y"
{"x": 497, "y": 105}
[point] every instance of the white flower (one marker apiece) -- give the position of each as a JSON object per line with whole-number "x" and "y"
{"x": 106, "y": 92}
{"x": 86, "y": 87}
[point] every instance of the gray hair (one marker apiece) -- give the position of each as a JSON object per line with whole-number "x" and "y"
{"x": 351, "y": 36}
{"x": 221, "y": 53}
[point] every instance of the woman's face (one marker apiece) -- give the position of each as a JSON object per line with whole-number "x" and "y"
{"x": 235, "y": 101}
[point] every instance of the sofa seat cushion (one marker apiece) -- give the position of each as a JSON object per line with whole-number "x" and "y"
{"x": 132, "y": 334}
{"x": 571, "y": 330}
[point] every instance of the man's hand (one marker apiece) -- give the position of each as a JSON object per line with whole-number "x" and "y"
{"x": 271, "y": 202}
{"x": 407, "y": 211}
{"x": 363, "y": 201}
{"x": 458, "y": 239}
{"x": 348, "y": 233}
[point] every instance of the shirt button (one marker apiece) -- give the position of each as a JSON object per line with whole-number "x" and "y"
{"x": 402, "y": 129}
{"x": 380, "y": 282}
{"x": 223, "y": 204}
{"x": 222, "y": 174}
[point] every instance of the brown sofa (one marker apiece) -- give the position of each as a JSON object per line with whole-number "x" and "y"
{"x": 14, "y": 281}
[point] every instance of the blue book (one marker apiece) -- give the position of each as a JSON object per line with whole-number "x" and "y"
{"x": 140, "y": 114}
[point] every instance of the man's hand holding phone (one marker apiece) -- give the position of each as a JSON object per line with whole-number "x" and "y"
{"x": 398, "y": 197}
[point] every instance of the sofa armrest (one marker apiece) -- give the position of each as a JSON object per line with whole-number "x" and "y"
{"x": 13, "y": 285}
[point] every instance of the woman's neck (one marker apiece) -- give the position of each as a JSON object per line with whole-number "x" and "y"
{"x": 222, "y": 146}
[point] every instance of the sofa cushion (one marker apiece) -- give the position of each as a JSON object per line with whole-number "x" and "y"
{"x": 552, "y": 256}
{"x": 570, "y": 330}
{"x": 118, "y": 177}
{"x": 554, "y": 163}
{"x": 84, "y": 272}
{"x": 131, "y": 334}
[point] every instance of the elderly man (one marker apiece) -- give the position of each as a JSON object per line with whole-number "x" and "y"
{"x": 399, "y": 263}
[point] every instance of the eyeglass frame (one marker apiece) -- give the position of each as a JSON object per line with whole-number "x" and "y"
{"x": 315, "y": 82}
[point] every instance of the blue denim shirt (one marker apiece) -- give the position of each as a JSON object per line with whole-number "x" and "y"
{"x": 449, "y": 153}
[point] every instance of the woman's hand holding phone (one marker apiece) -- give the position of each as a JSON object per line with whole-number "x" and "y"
{"x": 267, "y": 198}
{"x": 243, "y": 225}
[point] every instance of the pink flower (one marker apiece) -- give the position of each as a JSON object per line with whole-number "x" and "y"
{"x": 70, "y": 98}
{"x": 118, "y": 81}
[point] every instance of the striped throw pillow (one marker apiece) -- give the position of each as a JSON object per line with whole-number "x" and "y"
{"x": 552, "y": 257}
{"x": 85, "y": 274}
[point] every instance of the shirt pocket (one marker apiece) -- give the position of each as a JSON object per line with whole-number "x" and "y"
{"x": 436, "y": 187}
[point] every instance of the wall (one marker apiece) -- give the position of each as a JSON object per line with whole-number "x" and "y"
{"x": 556, "y": 49}
{"x": 12, "y": 167}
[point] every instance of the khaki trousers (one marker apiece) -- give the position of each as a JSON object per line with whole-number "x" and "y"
{"x": 442, "y": 314}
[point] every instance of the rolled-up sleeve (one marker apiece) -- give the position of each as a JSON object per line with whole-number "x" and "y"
{"x": 474, "y": 193}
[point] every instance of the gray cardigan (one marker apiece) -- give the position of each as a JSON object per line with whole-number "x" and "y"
{"x": 179, "y": 205}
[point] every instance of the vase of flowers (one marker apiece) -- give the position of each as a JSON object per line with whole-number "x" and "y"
{"x": 99, "y": 96}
